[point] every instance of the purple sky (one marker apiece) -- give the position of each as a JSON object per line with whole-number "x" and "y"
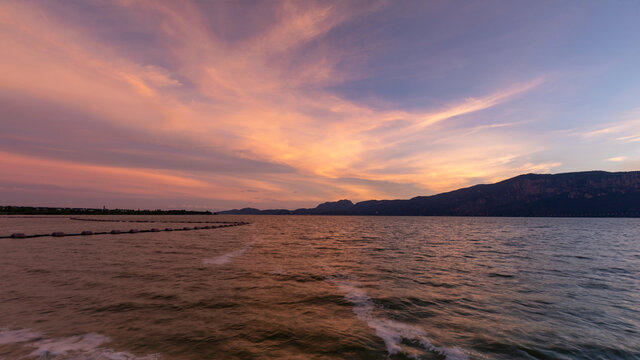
{"x": 223, "y": 104}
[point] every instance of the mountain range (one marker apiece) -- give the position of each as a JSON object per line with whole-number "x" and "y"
{"x": 584, "y": 194}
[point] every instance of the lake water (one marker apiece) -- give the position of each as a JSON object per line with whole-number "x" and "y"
{"x": 323, "y": 287}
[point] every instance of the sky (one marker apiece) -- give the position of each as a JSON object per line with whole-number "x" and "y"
{"x": 228, "y": 104}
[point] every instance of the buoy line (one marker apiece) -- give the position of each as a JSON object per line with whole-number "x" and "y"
{"x": 116, "y": 232}
{"x": 157, "y": 221}
{"x": 31, "y": 217}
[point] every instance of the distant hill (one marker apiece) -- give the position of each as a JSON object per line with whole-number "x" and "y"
{"x": 586, "y": 194}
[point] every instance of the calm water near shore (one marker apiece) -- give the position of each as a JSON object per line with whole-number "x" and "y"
{"x": 322, "y": 287}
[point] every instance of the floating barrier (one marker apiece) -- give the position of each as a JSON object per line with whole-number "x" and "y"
{"x": 155, "y": 221}
{"x": 130, "y": 231}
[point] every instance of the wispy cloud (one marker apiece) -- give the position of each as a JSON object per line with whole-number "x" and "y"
{"x": 617, "y": 158}
{"x": 626, "y": 130}
{"x": 264, "y": 101}
{"x": 482, "y": 103}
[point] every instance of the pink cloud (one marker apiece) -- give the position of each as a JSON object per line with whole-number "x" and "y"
{"x": 242, "y": 99}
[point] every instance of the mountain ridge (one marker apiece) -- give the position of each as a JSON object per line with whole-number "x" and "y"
{"x": 583, "y": 194}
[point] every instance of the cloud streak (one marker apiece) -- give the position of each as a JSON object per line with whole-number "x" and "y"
{"x": 188, "y": 109}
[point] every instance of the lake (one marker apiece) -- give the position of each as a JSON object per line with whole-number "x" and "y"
{"x": 322, "y": 287}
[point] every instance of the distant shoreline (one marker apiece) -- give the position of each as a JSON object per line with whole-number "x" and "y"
{"x": 32, "y": 210}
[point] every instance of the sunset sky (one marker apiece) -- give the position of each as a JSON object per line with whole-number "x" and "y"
{"x": 226, "y": 104}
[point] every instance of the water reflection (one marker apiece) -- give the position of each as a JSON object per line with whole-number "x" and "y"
{"x": 326, "y": 287}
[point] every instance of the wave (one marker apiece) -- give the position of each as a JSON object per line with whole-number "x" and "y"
{"x": 280, "y": 271}
{"x": 393, "y": 333}
{"x": 61, "y": 346}
{"x": 79, "y": 347}
{"x": 17, "y": 336}
{"x": 228, "y": 257}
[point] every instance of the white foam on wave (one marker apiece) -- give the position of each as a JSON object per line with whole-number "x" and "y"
{"x": 106, "y": 354}
{"x": 391, "y": 332}
{"x": 79, "y": 347}
{"x": 16, "y": 336}
{"x": 228, "y": 257}
{"x": 61, "y": 346}
{"x": 279, "y": 271}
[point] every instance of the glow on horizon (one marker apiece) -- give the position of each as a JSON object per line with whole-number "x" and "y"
{"x": 284, "y": 104}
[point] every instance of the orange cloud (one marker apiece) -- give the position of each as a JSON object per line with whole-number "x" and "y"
{"x": 242, "y": 99}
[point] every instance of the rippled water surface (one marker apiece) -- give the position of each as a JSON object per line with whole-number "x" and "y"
{"x": 307, "y": 287}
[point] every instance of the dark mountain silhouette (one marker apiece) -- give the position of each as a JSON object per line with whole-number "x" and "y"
{"x": 336, "y": 207}
{"x": 589, "y": 193}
